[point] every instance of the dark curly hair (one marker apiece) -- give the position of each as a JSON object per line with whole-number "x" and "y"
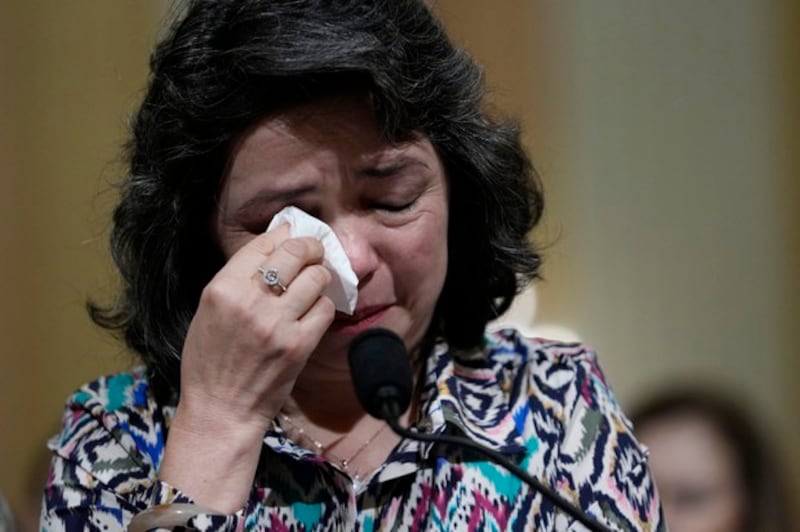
{"x": 226, "y": 63}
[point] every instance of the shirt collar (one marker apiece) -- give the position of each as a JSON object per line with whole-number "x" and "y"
{"x": 473, "y": 394}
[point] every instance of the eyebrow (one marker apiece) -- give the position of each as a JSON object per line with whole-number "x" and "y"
{"x": 392, "y": 167}
{"x": 273, "y": 196}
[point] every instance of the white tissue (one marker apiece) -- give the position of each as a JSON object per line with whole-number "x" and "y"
{"x": 343, "y": 289}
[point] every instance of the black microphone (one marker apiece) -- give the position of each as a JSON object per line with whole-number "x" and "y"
{"x": 381, "y": 374}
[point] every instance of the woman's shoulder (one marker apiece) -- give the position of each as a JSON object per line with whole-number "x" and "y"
{"x": 557, "y": 373}
{"x": 111, "y": 425}
{"x": 117, "y": 392}
{"x": 551, "y": 360}
{"x": 598, "y": 456}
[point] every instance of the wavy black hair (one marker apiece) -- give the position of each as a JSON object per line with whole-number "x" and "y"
{"x": 222, "y": 65}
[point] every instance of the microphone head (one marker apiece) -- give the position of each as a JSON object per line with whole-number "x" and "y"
{"x": 381, "y": 372}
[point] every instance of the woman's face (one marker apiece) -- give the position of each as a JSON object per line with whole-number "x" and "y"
{"x": 697, "y": 474}
{"x": 388, "y": 205}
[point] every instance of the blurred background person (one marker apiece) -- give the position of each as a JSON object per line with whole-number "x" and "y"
{"x": 711, "y": 464}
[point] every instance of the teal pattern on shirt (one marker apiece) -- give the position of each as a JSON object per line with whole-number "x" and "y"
{"x": 543, "y": 404}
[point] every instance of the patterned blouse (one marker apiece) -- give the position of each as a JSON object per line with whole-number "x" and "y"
{"x": 544, "y": 405}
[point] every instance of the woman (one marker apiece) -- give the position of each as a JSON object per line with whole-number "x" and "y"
{"x": 711, "y": 465}
{"x": 362, "y": 114}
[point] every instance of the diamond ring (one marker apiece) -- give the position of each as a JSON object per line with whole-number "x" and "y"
{"x": 271, "y": 278}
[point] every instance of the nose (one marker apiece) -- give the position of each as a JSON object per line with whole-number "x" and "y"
{"x": 353, "y": 232}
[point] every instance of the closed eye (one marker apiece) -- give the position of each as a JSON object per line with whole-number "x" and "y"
{"x": 393, "y": 207}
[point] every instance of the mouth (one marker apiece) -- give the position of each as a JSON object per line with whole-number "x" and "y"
{"x": 362, "y": 319}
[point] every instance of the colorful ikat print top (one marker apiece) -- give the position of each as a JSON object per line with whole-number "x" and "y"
{"x": 544, "y": 405}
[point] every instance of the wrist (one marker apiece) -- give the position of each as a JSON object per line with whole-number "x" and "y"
{"x": 204, "y": 417}
{"x": 212, "y": 458}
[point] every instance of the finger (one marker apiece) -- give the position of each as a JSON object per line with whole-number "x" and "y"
{"x": 291, "y": 257}
{"x": 317, "y": 319}
{"x": 266, "y": 242}
{"x": 249, "y": 257}
{"x": 297, "y": 339}
{"x": 305, "y": 290}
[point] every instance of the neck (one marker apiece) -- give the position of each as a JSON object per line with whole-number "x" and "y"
{"x": 324, "y": 395}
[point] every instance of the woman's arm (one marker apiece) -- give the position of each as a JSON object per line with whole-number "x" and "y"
{"x": 105, "y": 460}
{"x": 243, "y": 352}
{"x": 245, "y": 347}
{"x": 599, "y": 460}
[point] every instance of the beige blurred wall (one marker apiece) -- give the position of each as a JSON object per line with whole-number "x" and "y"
{"x": 788, "y": 96}
{"x": 70, "y": 72}
{"x": 665, "y": 134}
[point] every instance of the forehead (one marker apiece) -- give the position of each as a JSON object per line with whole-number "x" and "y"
{"x": 342, "y": 128}
{"x": 340, "y": 116}
{"x": 688, "y": 446}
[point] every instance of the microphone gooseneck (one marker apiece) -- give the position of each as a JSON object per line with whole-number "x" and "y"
{"x": 381, "y": 375}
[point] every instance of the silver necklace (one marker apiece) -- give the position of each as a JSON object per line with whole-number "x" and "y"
{"x": 323, "y": 450}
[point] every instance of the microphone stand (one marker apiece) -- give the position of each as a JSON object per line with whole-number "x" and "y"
{"x": 389, "y": 414}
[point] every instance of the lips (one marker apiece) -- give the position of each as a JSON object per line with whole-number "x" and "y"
{"x": 362, "y": 319}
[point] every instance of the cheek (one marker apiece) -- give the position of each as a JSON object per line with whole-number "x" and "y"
{"x": 420, "y": 261}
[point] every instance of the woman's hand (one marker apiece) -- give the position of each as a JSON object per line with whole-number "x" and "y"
{"x": 245, "y": 347}
{"x": 248, "y": 341}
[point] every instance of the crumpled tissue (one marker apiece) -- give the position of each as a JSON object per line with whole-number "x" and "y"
{"x": 343, "y": 290}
